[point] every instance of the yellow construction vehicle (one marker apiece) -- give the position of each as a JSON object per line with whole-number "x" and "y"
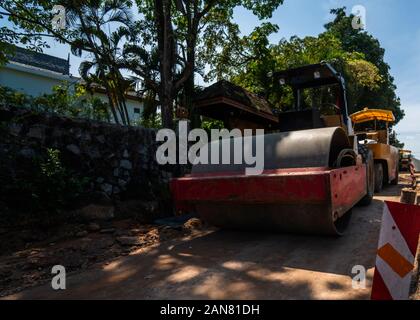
{"x": 372, "y": 129}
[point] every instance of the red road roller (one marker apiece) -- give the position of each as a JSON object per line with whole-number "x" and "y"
{"x": 314, "y": 172}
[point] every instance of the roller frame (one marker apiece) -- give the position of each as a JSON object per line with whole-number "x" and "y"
{"x": 304, "y": 200}
{"x": 302, "y": 189}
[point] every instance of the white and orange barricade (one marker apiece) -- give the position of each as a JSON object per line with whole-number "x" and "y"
{"x": 396, "y": 254}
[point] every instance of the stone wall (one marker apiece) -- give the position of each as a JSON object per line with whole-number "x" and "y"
{"x": 118, "y": 161}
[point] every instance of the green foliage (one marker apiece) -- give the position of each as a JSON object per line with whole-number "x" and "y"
{"x": 263, "y": 59}
{"x": 74, "y": 101}
{"x": 14, "y": 98}
{"x": 41, "y": 194}
{"x": 237, "y": 53}
{"x": 173, "y": 41}
{"x": 91, "y": 23}
{"x": 188, "y": 35}
{"x": 356, "y": 54}
{"x": 66, "y": 100}
{"x": 383, "y": 96}
{"x": 153, "y": 121}
{"x": 88, "y": 25}
{"x": 28, "y": 34}
{"x": 151, "y": 117}
{"x": 54, "y": 187}
{"x": 393, "y": 140}
{"x": 5, "y": 50}
{"x": 209, "y": 124}
{"x": 184, "y": 37}
{"x": 361, "y": 76}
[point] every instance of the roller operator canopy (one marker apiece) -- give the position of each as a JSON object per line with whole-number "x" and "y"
{"x": 309, "y": 76}
{"x": 371, "y": 115}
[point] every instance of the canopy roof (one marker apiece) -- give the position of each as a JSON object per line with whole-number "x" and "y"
{"x": 309, "y": 76}
{"x": 372, "y": 114}
{"x": 226, "y": 100}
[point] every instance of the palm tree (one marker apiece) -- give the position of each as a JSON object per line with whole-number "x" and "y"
{"x": 89, "y": 23}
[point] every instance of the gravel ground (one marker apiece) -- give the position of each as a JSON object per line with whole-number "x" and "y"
{"x": 80, "y": 248}
{"x": 197, "y": 262}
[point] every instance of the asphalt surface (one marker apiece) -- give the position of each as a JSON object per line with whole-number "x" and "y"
{"x": 217, "y": 264}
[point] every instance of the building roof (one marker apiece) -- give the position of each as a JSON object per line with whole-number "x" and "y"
{"x": 131, "y": 95}
{"x": 52, "y": 67}
{"x": 223, "y": 96}
{"x": 40, "y": 60}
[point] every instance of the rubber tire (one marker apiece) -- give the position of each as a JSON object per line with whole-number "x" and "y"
{"x": 379, "y": 177}
{"x": 367, "y": 156}
{"x": 397, "y": 175}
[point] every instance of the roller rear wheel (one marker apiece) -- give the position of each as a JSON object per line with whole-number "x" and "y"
{"x": 379, "y": 177}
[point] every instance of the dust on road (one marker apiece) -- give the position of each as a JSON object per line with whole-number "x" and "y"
{"x": 217, "y": 264}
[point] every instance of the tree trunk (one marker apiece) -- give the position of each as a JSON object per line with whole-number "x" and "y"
{"x": 166, "y": 57}
{"x": 111, "y": 103}
{"x": 121, "y": 100}
{"x": 167, "y": 112}
{"x": 124, "y": 105}
{"x": 189, "y": 87}
{"x": 118, "y": 105}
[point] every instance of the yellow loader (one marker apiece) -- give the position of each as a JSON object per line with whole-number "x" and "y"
{"x": 372, "y": 129}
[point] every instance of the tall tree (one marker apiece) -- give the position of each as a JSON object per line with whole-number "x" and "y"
{"x": 177, "y": 28}
{"x": 355, "y": 53}
{"x": 91, "y": 25}
{"x": 256, "y": 59}
{"x": 359, "y": 40}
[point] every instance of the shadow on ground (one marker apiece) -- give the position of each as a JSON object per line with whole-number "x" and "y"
{"x": 235, "y": 265}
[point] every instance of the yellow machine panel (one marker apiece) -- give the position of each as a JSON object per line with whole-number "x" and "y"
{"x": 371, "y": 115}
{"x": 377, "y": 139}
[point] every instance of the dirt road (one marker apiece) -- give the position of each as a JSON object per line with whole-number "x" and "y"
{"x": 218, "y": 264}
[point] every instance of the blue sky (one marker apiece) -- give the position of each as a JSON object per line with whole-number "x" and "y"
{"x": 394, "y": 22}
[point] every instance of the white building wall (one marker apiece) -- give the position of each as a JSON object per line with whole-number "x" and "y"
{"x": 29, "y": 80}
{"x": 35, "y": 82}
{"x": 132, "y": 106}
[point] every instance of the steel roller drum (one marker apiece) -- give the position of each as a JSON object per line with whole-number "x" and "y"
{"x": 300, "y": 189}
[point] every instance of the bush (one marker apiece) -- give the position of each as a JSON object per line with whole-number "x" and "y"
{"x": 41, "y": 194}
{"x": 209, "y": 124}
{"x": 66, "y": 100}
